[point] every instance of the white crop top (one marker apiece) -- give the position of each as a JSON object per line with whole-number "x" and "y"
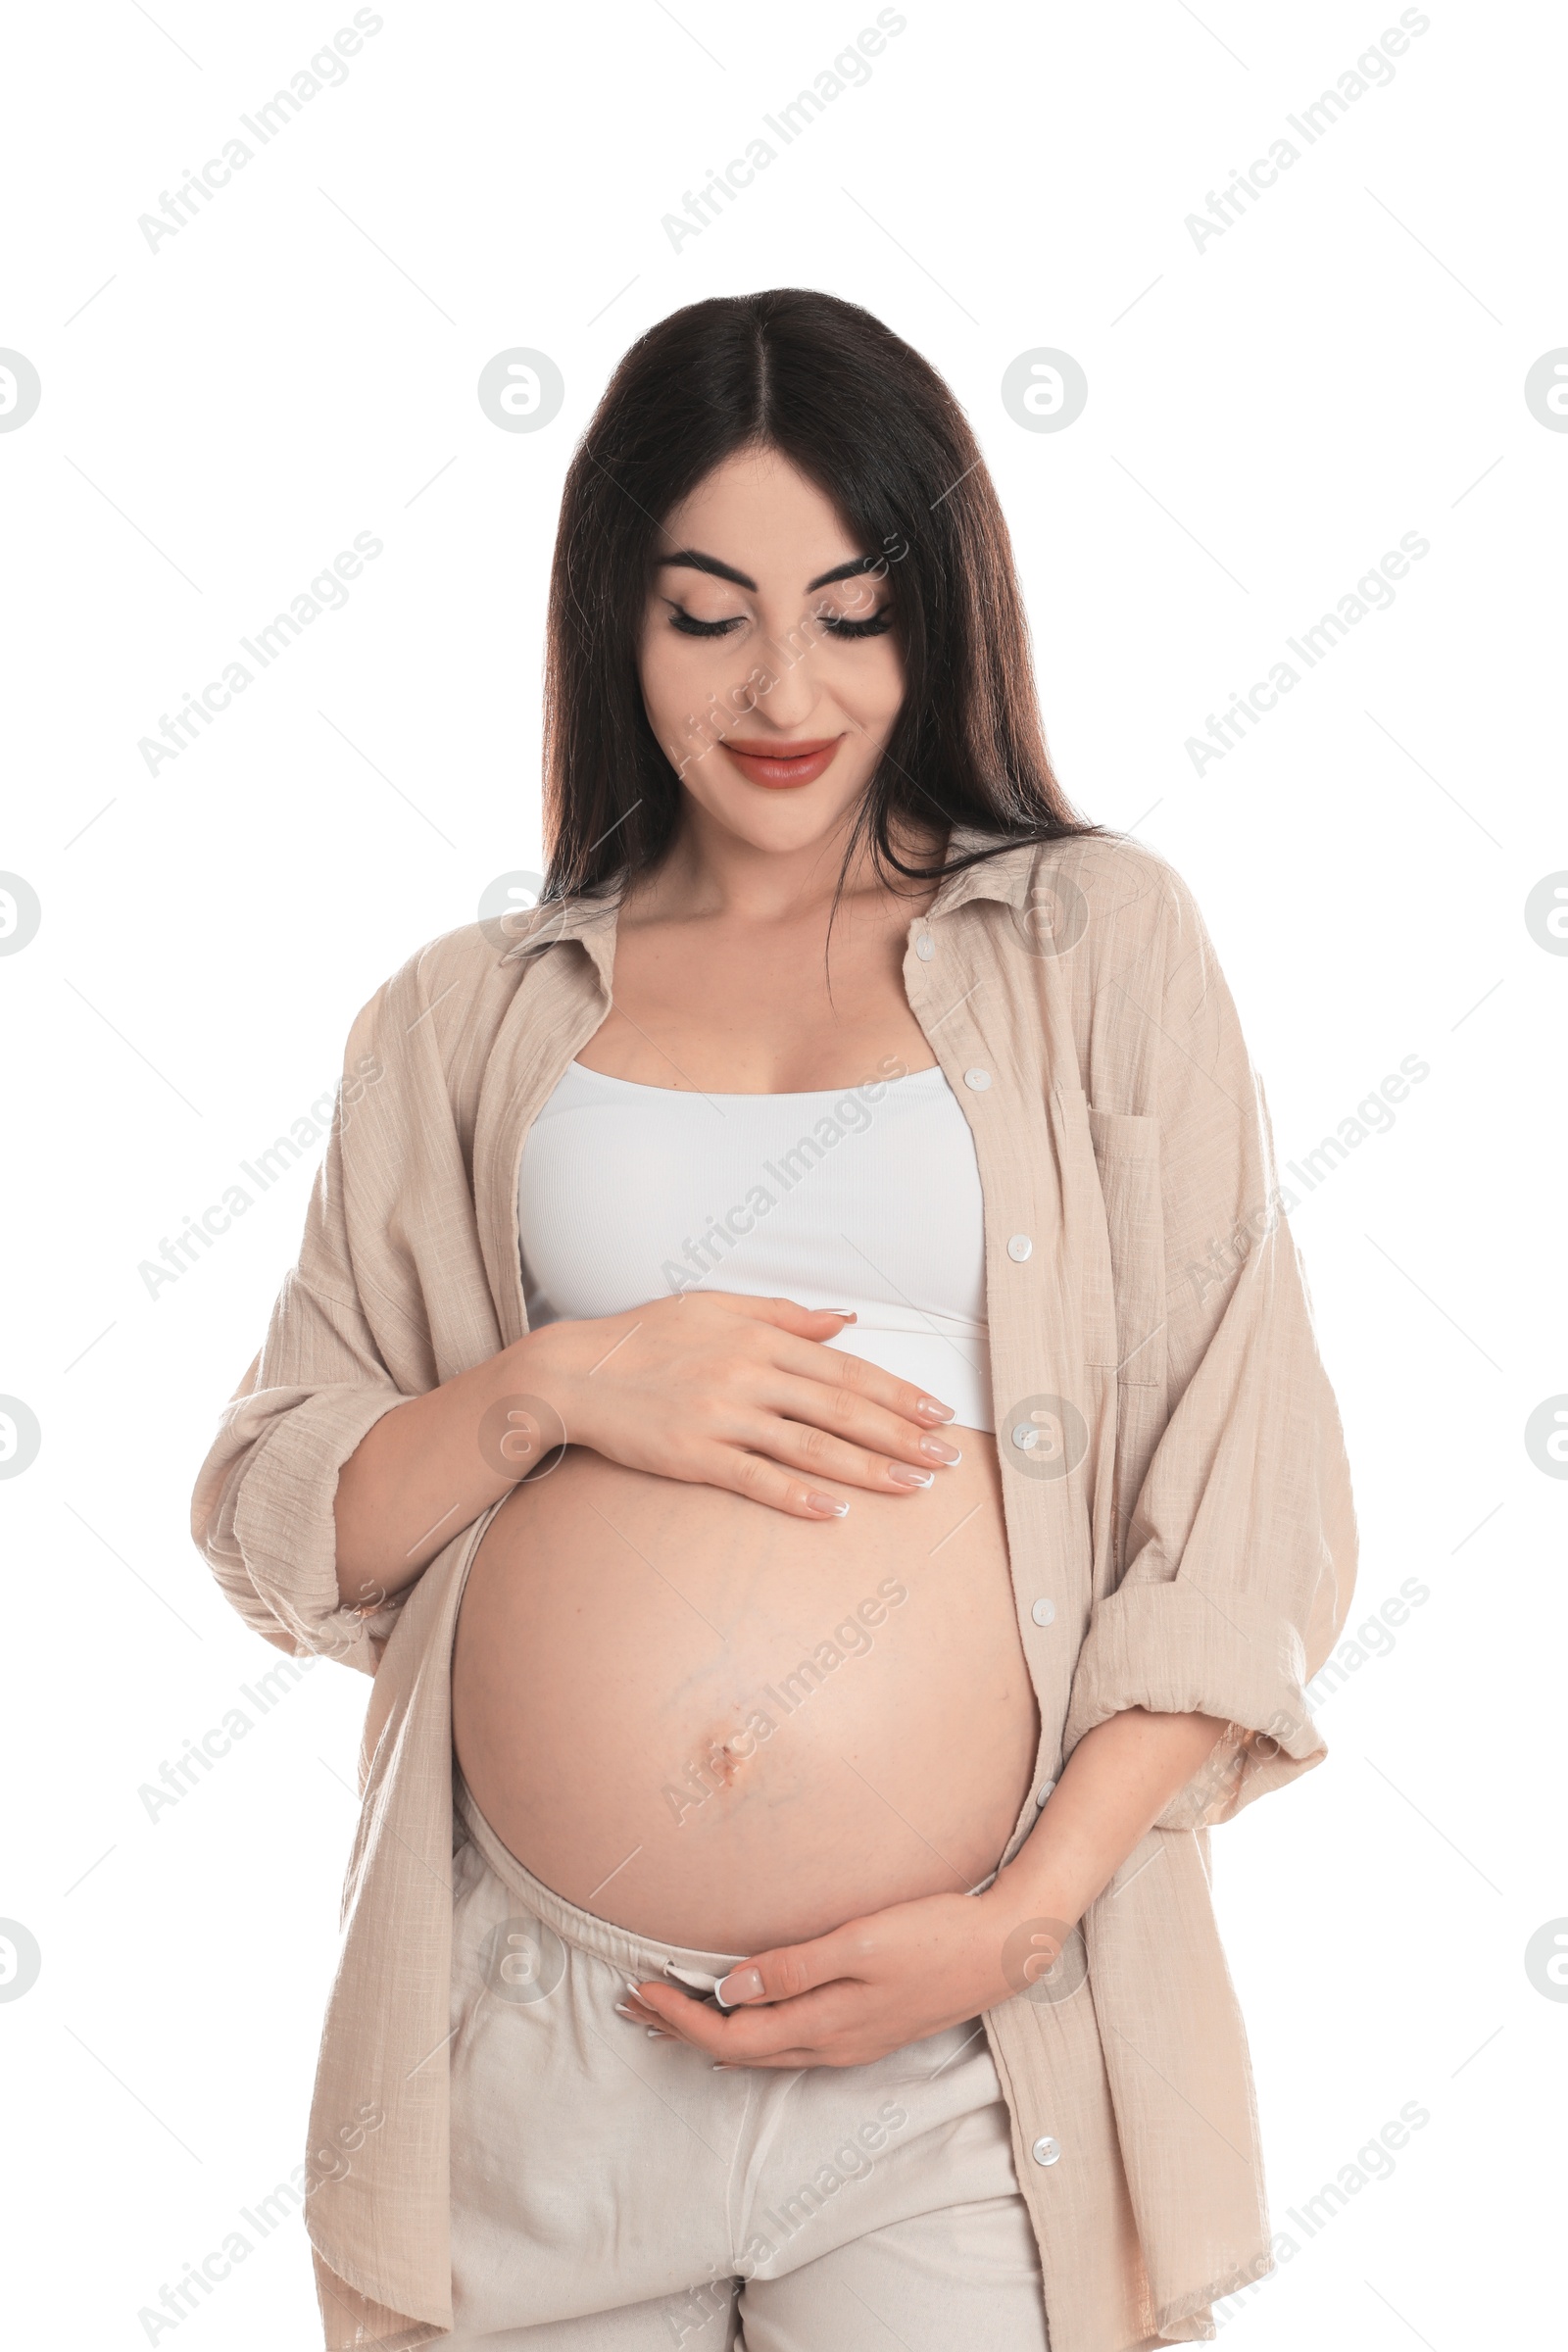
{"x": 865, "y": 1197}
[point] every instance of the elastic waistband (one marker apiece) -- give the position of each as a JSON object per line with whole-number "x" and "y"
{"x": 634, "y": 1955}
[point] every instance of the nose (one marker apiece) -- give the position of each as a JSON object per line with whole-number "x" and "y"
{"x": 789, "y": 694}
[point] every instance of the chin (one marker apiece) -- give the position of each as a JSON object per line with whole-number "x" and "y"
{"x": 788, "y": 818}
{"x": 785, "y": 832}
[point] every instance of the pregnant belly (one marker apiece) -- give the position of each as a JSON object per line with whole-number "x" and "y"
{"x": 726, "y": 1729}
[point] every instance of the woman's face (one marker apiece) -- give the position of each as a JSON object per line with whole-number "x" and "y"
{"x": 770, "y": 666}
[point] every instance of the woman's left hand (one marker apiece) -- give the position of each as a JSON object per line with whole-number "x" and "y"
{"x": 844, "y": 2000}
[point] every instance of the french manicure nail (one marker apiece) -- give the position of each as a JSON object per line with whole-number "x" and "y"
{"x": 929, "y": 1410}
{"x": 848, "y": 1312}
{"x": 824, "y": 1506}
{"x": 939, "y": 1451}
{"x": 741, "y": 1984}
{"x": 904, "y": 1473}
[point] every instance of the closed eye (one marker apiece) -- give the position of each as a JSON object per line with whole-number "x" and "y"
{"x": 690, "y": 626}
{"x": 875, "y": 627}
{"x": 836, "y": 625}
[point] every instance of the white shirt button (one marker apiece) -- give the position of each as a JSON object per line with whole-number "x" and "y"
{"x": 1044, "y": 1612}
{"x": 1044, "y": 1790}
{"x": 1019, "y": 1246}
{"x": 1046, "y": 2150}
{"x": 925, "y": 947}
{"x": 978, "y": 1079}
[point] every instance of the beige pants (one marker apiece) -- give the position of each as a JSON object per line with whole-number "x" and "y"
{"x": 612, "y": 2193}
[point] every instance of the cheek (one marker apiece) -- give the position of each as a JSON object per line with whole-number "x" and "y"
{"x": 682, "y": 676}
{"x": 869, "y": 681}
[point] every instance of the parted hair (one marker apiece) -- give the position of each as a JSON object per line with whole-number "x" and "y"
{"x": 871, "y": 423}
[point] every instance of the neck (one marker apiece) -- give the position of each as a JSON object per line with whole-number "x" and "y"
{"x": 709, "y": 870}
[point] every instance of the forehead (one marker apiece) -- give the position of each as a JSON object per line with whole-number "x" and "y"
{"x": 759, "y": 512}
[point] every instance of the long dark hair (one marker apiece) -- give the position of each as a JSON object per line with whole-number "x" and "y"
{"x": 873, "y": 425}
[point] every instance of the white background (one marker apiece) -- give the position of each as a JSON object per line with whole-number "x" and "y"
{"x": 1265, "y": 418}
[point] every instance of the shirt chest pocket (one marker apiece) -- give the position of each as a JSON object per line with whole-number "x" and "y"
{"x": 1131, "y": 1338}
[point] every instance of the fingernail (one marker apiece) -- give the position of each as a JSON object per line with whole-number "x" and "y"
{"x": 904, "y": 1473}
{"x": 741, "y": 1984}
{"x": 848, "y": 1312}
{"x": 939, "y": 1451}
{"x": 825, "y": 1508}
{"x": 929, "y": 1410}
{"x": 657, "y": 2034}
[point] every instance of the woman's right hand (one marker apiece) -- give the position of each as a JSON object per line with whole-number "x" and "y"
{"x": 726, "y": 1391}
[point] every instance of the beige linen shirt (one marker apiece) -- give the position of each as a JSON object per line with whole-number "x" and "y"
{"x": 1180, "y": 1494}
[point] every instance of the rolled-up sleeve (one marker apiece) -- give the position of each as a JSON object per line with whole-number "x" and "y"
{"x": 1241, "y": 1553}
{"x": 263, "y": 1509}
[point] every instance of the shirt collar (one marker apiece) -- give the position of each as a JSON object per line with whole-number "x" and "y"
{"x": 593, "y": 921}
{"x": 562, "y": 918}
{"x": 1002, "y": 876}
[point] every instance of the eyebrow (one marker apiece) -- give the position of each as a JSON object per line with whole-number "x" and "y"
{"x": 693, "y": 559}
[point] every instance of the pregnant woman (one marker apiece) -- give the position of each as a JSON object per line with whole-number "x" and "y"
{"x": 799, "y": 1388}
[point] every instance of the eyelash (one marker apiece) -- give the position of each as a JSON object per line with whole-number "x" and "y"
{"x": 877, "y": 626}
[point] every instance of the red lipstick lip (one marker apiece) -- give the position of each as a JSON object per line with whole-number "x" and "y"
{"x": 779, "y": 765}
